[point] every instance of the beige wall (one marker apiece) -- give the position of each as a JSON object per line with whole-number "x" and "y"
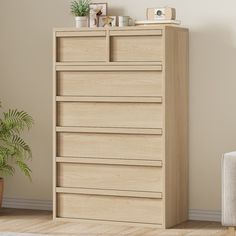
{"x": 26, "y": 83}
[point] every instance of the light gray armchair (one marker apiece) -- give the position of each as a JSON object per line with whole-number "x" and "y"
{"x": 229, "y": 191}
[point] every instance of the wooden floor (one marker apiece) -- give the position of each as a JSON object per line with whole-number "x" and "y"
{"x": 31, "y": 221}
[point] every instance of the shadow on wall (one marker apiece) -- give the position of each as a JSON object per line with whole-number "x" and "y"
{"x": 212, "y": 110}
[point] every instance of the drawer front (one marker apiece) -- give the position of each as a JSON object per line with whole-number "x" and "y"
{"x": 136, "y": 48}
{"x": 81, "y": 49}
{"x": 92, "y": 114}
{"x": 119, "y": 177}
{"x": 115, "y": 146}
{"x": 109, "y": 83}
{"x": 97, "y": 207}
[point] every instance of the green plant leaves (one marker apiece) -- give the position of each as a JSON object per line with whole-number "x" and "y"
{"x": 24, "y": 168}
{"x": 13, "y": 149}
{"x": 80, "y": 7}
{"x": 16, "y": 121}
{"x": 6, "y": 169}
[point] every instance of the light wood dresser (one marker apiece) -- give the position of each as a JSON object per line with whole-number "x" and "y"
{"x": 121, "y": 125}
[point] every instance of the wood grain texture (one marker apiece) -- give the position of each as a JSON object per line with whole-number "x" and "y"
{"x": 109, "y": 99}
{"x": 108, "y": 67}
{"x": 131, "y": 65}
{"x": 117, "y": 177}
{"x": 176, "y": 126}
{"x": 147, "y": 48}
{"x": 113, "y": 146}
{"x": 91, "y": 114}
{"x": 88, "y": 33}
{"x": 108, "y": 208}
{"x": 141, "y": 29}
{"x": 110, "y": 130}
{"x": 54, "y": 123}
{"x": 157, "y": 32}
{"x": 110, "y": 192}
{"x": 81, "y": 49}
{"x": 231, "y": 231}
{"x": 109, "y": 161}
{"x": 108, "y": 83}
{"x": 122, "y": 124}
{"x": 40, "y": 222}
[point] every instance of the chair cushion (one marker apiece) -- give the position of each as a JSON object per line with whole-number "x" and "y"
{"x": 229, "y": 189}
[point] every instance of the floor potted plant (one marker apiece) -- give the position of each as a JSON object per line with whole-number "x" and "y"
{"x": 80, "y": 9}
{"x": 14, "y": 151}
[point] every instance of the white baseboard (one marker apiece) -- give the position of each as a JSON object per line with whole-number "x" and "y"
{"x": 204, "y": 215}
{"x": 194, "y": 214}
{"x": 27, "y": 204}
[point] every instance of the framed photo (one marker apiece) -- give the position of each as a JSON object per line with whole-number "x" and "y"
{"x": 107, "y": 21}
{"x": 96, "y": 10}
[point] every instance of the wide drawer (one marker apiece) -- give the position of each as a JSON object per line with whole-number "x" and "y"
{"x": 115, "y": 146}
{"x": 110, "y": 208}
{"x": 105, "y": 114}
{"x": 120, "y": 177}
{"x": 109, "y": 83}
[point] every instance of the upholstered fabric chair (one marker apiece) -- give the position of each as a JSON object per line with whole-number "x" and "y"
{"x": 229, "y": 191}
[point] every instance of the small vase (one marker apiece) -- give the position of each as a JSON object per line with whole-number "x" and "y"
{"x": 1, "y": 190}
{"x": 81, "y": 21}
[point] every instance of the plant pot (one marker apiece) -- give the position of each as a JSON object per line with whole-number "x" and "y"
{"x": 81, "y": 21}
{"x": 1, "y": 190}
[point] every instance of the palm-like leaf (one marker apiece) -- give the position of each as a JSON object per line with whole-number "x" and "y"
{"x": 15, "y": 121}
{"x": 13, "y": 149}
{"x": 24, "y": 168}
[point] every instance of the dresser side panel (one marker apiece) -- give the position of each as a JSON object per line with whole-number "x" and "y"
{"x": 176, "y": 126}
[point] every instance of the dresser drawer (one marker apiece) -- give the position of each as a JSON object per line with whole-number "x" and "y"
{"x": 109, "y": 83}
{"x": 105, "y": 114}
{"x": 84, "y": 48}
{"x": 119, "y": 177}
{"x": 115, "y": 146}
{"x": 98, "y": 207}
{"x": 137, "y": 48}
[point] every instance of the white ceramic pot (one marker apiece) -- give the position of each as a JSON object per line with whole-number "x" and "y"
{"x": 81, "y": 21}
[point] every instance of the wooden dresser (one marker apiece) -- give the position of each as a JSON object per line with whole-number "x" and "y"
{"x": 120, "y": 138}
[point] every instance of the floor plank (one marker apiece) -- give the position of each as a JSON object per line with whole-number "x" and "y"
{"x": 34, "y": 221}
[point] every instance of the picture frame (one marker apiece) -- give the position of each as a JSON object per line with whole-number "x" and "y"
{"x": 107, "y": 21}
{"x": 96, "y": 11}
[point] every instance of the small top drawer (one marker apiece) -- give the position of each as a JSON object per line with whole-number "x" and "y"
{"x": 136, "y": 45}
{"x": 81, "y": 46}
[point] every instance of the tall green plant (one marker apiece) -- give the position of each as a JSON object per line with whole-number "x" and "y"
{"x": 13, "y": 149}
{"x": 80, "y": 7}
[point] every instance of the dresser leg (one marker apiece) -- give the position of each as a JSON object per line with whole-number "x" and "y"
{"x": 231, "y": 231}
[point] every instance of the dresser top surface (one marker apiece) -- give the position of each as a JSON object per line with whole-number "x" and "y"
{"x": 144, "y": 27}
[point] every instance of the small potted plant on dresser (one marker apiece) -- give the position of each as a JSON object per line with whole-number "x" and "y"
{"x": 13, "y": 149}
{"x": 80, "y": 9}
